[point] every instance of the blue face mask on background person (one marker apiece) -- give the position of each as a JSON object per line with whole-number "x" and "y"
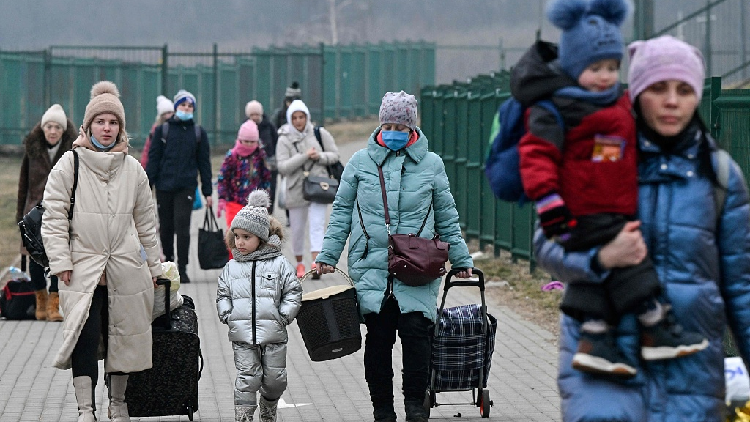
{"x": 182, "y": 115}
{"x": 394, "y": 139}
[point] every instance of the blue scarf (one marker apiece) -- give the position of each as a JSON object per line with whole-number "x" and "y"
{"x": 100, "y": 146}
{"x": 599, "y": 98}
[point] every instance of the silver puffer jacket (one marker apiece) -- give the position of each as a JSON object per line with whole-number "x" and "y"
{"x": 258, "y": 313}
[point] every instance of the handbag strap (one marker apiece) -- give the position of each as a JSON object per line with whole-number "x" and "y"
{"x": 75, "y": 185}
{"x": 385, "y": 205}
{"x": 209, "y": 221}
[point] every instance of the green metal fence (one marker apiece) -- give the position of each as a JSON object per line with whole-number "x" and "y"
{"x": 457, "y": 118}
{"x": 337, "y": 82}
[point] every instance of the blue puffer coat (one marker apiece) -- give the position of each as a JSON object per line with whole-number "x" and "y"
{"x": 414, "y": 178}
{"x": 703, "y": 262}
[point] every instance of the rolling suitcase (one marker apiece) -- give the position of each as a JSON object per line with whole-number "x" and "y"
{"x": 170, "y": 387}
{"x": 463, "y": 340}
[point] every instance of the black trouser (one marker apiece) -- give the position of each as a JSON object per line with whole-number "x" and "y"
{"x": 36, "y": 272}
{"x": 623, "y": 291}
{"x": 274, "y": 175}
{"x": 84, "y": 357}
{"x": 413, "y": 329}
{"x": 175, "y": 209}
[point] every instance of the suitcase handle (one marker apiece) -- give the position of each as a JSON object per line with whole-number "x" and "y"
{"x": 167, "y": 283}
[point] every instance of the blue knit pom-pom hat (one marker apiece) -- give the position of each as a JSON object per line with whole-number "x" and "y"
{"x": 590, "y": 31}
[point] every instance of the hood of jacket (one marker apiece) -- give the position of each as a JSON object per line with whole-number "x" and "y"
{"x": 536, "y": 75}
{"x": 36, "y": 144}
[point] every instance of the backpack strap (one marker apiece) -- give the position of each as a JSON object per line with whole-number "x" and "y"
{"x": 165, "y": 131}
{"x": 722, "y": 160}
{"x": 316, "y": 131}
{"x": 75, "y": 185}
{"x": 550, "y": 106}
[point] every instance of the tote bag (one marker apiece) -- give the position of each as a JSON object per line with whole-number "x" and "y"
{"x": 212, "y": 252}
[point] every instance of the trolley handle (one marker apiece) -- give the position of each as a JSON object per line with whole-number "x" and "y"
{"x": 167, "y": 283}
{"x": 464, "y": 283}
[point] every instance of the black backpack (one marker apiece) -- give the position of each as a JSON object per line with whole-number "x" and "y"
{"x": 31, "y": 223}
{"x": 165, "y": 131}
{"x": 336, "y": 169}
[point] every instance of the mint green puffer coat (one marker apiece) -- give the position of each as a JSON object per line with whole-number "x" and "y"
{"x": 414, "y": 178}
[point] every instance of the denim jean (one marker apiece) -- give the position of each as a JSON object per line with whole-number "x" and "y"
{"x": 413, "y": 329}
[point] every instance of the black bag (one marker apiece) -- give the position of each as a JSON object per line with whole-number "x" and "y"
{"x": 336, "y": 169}
{"x": 212, "y": 251}
{"x": 170, "y": 387}
{"x": 31, "y": 223}
{"x": 319, "y": 189}
{"x": 17, "y": 298}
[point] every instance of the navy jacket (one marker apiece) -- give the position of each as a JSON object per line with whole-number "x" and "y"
{"x": 174, "y": 163}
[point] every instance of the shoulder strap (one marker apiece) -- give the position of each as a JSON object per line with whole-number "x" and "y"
{"x": 550, "y": 106}
{"x": 164, "y": 131}
{"x": 385, "y": 205}
{"x": 75, "y": 185}
{"x": 723, "y": 160}
{"x": 316, "y": 131}
{"x": 197, "y": 133}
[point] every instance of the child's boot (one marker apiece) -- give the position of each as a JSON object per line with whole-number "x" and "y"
{"x": 118, "y": 409}
{"x": 267, "y": 409}
{"x": 53, "y": 308}
{"x": 244, "y": 413}
{"x": 666, "y": 339}
{"x": 41, "y": 304}
{"x": 85, "y": 398}
{"x": 598, "y": 353}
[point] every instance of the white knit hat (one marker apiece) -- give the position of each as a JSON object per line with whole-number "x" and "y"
{"x": 183, "y": 96}
{"x": 55, "y": 114}
{"x": 296, "y": 105}
{"x": 254, "y": 217}
{"x": 163, "y": 105}
{"x": 253, "y": 106}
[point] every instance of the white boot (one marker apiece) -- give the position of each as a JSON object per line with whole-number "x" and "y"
{"x": 267, "y": 410}
{"x": 118, "y": 409}
{"x": 244, "y": 413}
{"x": 85, "y": 399}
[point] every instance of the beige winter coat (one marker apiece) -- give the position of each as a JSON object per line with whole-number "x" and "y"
{"x": 114, "y": 215}
{"x": 292, "y": 159}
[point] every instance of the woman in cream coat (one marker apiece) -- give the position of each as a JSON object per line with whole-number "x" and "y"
{"x": 107, "y": 256}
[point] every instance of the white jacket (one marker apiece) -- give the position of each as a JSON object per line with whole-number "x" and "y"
{"x": 114, "y": 215}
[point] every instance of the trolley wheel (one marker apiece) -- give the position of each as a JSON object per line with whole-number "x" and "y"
{"x": 190, "y": 412}
{"x": 484, "y": 403}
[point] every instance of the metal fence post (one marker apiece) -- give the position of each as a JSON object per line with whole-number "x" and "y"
{"x": 47, "y": 77}
{"x": 322, "y": 84}
{"x": 216, "y": 93}
{"x": 165, "y": 70}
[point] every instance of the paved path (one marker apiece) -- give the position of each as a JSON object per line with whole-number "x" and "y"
{"x": 521, "y": 383}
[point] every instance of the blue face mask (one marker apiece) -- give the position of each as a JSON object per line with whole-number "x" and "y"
{"x": 394, "y": 139}
{"x": 182, "y": 115}
{"x": 99, "y": 145}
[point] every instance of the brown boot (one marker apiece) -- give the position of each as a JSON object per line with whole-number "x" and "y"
{"x": 53, "y": 308}
{"x": 41, "y": 304}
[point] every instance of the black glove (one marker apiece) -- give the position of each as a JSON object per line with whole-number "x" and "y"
{"x": 555, "y": 218}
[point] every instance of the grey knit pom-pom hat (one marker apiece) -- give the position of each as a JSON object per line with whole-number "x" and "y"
{"x": 254, "y": 217}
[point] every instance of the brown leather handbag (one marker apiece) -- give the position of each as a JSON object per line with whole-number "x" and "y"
{"x": 414, "y": 260}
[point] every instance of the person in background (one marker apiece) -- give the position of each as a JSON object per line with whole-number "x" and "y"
{"x": 107, "y": 255}
{"x": 268, "y": 137}
{"x": 419, "y": 193}
{"x": 699, "y": 246}
{"x": 243, "y": 171}
{"x": 164, "y": 110}
{"x": 173, "y": 168}
{"x": 293, "y": 92}
{"x": 298, "y": 154}
{"x": 258, "y": 296}
{"x": 52, "y": 137}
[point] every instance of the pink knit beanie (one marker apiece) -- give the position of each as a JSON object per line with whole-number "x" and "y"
{"x": 662, "y": 59}
{"x": 248, "y": 131}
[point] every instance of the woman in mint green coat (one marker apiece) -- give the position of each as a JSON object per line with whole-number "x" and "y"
{"x": 417, "y": 188}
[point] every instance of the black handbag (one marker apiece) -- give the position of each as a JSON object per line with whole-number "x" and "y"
{"x": 319, "y": 189}
{"x": 31, "y": 223}
{"x": 17, "y": 297}
{"x": 212, "y": 251}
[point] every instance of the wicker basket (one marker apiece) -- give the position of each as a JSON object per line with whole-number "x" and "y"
{"x": 329, "y": 322}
